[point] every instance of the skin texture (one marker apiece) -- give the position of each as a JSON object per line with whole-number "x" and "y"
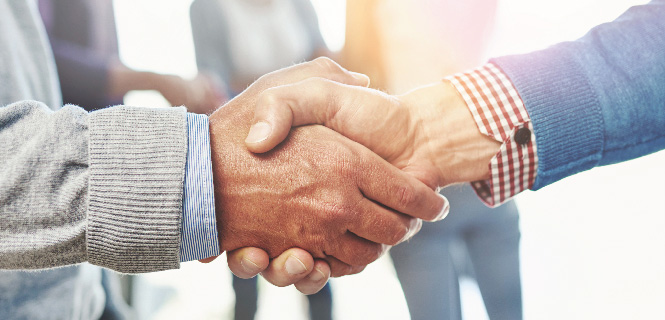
{"x": 428, "y": 132}
{"x": 397, "y": 136}
{"x": 317, "y": 191}
{"x": 308, "y": 192}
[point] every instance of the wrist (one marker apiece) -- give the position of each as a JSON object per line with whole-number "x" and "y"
{"x": 199, "y": 236}
{"x": 451, "y": 138}
{"x": 213, "y": 123}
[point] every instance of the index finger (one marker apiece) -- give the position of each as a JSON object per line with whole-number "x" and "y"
{"x": 387, "y": 185}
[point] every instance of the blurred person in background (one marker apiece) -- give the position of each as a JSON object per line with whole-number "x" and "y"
{"x": 241, "y": 40}
{"x": 402, "y": 45}
{"x": 238, "y": 41}
{"x": 85, "y": 45}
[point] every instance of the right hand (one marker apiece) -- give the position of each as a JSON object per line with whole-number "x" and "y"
{"x": 318, "y": 191}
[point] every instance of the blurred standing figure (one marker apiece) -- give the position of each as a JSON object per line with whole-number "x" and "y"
{"x": 85, "y": 45}
{"x": 241, "y": 40}
{"x": 404, "y": 44}
{"x": 473, "y": 241}
{"x": 238, "y": 41}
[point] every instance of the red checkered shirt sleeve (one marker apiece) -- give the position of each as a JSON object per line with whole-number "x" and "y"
{"x": 500, "y": 114}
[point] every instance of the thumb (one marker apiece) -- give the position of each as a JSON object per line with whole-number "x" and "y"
{"x": 273, "y": 118}
{"x": 311, "y": 101}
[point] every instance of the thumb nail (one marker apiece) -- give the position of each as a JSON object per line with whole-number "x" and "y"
{"x": 316, "y": 276}
{"x": 250, "y": 266}
{"x": 294, "y": 266}
{"x": 446, "y": 209}
{"x": 258, "y": 132}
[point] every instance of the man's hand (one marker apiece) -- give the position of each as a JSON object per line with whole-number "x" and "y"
{"x": 282, "y": 271}
{"x": 318, "y": 191}
{"x": 200, "y": 95}
{"x": 428, "y": 132}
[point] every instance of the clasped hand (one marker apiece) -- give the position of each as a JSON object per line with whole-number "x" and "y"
{"x": 312, "y": 203}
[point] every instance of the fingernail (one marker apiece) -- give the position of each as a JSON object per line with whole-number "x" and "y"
{"x": 249, "y": 266}
{"x": 317, "y": 276}
{"x": 444, "y": 212}
{"x": 419, "y": 225}
{"x": 414, "y": 230}
{"x": 258, "y": 132}
{"x": 294, "y": 266}
{"x": 407, "y": 235}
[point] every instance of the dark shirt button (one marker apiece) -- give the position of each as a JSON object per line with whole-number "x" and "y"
{"x": 523, "y": 136}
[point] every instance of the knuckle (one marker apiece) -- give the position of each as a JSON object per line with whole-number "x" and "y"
{"x": 347, "y": 161}
{"x": 349, "y": 169}
{"x": 268, "y": 97}
{"x": 337, "y": 153}
{"x": 317, "y": 84}
{"x": 407, "y": 196}
{"x": 368, "y": 254}
{"x": 336, "y": 213}
{"x": 336, "y": 210}
{"x": 265, "y": 79}
{"x": 326, "y": 65}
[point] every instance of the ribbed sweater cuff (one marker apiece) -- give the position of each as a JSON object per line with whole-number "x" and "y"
{"x": 137, "y": 167}
{"x": 564, "y": 110}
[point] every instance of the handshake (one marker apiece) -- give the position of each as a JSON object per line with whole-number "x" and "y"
{"x": 300, "y": 205}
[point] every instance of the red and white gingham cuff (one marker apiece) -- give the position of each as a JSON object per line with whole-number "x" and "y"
{"x": 500, "y": 114}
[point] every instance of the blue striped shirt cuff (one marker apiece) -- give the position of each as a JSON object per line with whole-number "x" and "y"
{"x": 199, "y": 225}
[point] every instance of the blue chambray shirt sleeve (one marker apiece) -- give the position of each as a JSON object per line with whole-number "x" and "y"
{"x": 199, "y": 225}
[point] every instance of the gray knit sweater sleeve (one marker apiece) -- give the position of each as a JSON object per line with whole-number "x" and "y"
{"x": 104, "y": 187}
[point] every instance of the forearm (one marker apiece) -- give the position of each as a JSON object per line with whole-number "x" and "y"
{"x": 137, "y": 164}
{"x": 104, "y": 187}
{"x": 43, "y": 186}
{"x": 123, "y": 79}
{"x": 598, "y": 100}
{"x": 588, "y": 103}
